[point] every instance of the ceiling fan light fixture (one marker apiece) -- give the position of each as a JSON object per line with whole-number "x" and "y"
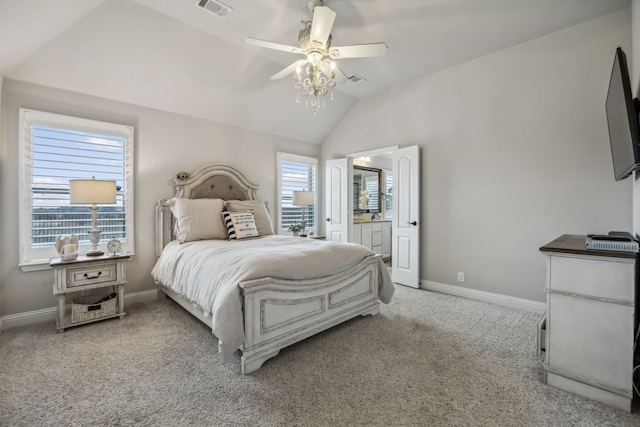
{"x": 314, "y": 57}
{"x": 314, "y": 83}
{"x": 320, "y": 73}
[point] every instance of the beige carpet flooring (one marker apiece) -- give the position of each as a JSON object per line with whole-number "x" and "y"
{"x": 427, "y": 360}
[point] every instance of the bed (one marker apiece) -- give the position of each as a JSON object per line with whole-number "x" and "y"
{"x": 259, "y": 292}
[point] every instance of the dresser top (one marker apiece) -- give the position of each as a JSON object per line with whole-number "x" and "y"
{"x": 576, "y": 244}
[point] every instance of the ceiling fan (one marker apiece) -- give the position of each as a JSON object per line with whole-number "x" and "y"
{"x": 317, "y": 73}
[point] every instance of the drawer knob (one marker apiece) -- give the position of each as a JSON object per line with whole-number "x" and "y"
{"x": 92, "y": 277}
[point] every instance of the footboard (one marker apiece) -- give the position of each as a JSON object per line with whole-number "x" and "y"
{"x": 278, "y": 312}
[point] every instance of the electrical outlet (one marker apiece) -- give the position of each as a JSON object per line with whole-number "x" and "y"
{"x": 460, "y": 276}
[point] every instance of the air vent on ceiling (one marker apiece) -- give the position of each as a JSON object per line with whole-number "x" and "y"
{"x": 354, "y": 78}
{"x": 221, "y": 10}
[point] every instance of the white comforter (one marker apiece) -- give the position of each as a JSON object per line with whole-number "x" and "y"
{"x": 207, "y": 272}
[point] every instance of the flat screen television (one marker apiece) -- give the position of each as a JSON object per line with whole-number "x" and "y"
{"x": 622, "y": 119}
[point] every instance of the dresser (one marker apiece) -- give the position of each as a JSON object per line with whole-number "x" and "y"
{"x": 591, "y": 321}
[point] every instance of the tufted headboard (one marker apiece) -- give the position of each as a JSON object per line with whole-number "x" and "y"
{"x": 209, "y": 182}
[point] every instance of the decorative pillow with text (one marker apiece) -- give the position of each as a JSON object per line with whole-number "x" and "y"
{"x": 260, "y": 213}
{"x": 240, "y": 225}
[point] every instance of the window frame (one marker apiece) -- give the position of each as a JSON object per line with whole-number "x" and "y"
{"x": 311, "y": 161}
{"x": 33, "y": 259}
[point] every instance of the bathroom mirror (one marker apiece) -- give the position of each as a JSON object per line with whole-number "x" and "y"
{"x": 366, "y": 189}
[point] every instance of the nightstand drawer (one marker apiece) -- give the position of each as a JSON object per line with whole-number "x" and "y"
{"x": 92, "y": 274}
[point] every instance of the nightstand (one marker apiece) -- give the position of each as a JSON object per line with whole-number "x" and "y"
{"x": 87, "y": 273}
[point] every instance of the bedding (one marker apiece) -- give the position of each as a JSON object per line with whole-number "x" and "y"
{"x": 207, "y": 272}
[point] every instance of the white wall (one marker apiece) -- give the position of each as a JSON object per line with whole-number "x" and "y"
{"x": 514, "y": 150}
{"x": 166, "y": 144}
{"x": 1, "y": 211}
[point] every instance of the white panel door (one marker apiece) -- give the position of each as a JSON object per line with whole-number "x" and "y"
{"x": 405, "y": 247}
{"x": 338, "y": 199}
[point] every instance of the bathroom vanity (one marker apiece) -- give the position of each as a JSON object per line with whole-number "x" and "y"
{"x": 375, "y": 235}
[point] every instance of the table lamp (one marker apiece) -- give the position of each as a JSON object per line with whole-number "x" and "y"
{"x": 304, "y": 199}
{"x": 93, "y": 192}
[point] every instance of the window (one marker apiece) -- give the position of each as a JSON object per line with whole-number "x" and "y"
{"x": 54, "y": 149}
{"x": 387, "y": 184}
{"x": 371, "y": 186}
{"x": 296, "y": 173}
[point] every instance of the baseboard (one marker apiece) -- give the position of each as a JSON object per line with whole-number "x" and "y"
{"x": 513, "y": 302}
{"x": 48, "y": 314}
{"x": 144, "y": 296}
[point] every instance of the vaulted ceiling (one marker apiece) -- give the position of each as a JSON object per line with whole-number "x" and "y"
{"x": 174, "y": 56}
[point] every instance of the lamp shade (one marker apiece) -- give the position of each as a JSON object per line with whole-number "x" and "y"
{"x": 92, "y": 191}
{"x": 304, "y": 198}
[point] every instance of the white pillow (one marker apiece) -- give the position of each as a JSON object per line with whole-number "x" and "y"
{"x": 198, "y": 219}
{"x": 240, "y": 225}
{"x": 260, "y": 213}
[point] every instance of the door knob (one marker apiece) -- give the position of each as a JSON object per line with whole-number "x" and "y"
{"x": 412, "y": 223}
{"x": 328, "y": 219}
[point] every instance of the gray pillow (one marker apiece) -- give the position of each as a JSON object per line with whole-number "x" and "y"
{"x": 260, "y": 213}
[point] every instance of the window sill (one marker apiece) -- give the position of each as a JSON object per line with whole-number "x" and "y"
{"x": 39, "y": 265}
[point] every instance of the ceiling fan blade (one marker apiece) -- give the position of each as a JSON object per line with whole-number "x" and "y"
{"x": 323, "y": 18}
{"x": 272, "y": 45}
{"x": 290, "y": 69}
{"x": 340, "y": 76}
{"x": 358, "y": 51}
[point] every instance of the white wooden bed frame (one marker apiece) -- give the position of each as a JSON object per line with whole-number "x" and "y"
{"x": 277, "y": 312}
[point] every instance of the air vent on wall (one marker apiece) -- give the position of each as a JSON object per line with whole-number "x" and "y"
{"x": 221, "y": 10}
{"x": 354, "y": 78}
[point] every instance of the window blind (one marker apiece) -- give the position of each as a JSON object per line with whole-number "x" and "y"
{"x": 296, "y": 173}
{"x": 388, "y": 194}
{"x": 59, "y": 155}
{"x": 371, "y": 185}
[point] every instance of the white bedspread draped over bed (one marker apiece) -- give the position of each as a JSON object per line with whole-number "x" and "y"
{"x": 207, "y": 272}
